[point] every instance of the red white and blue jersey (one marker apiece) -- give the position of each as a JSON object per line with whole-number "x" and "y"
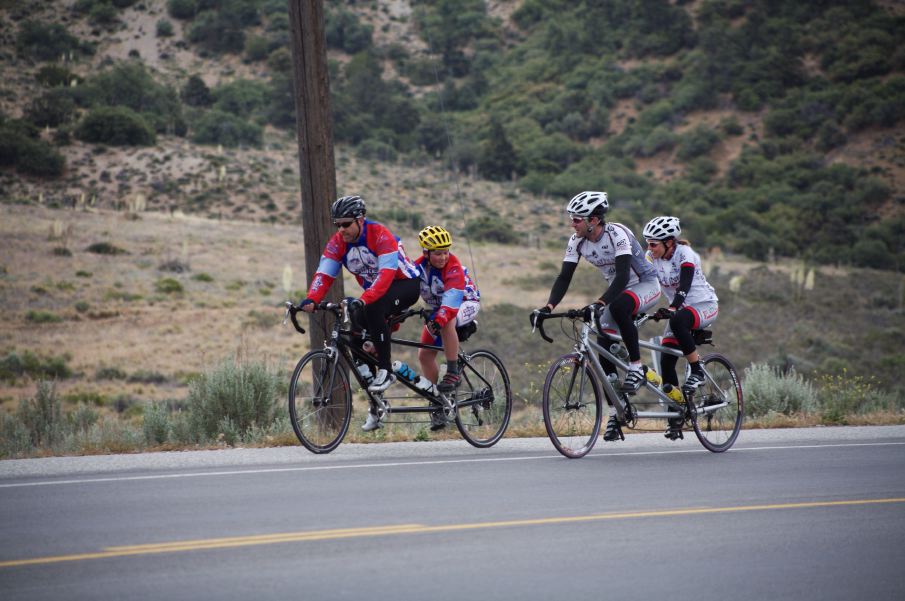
{"x": 444, "y": 290}
{"x": 376, "y": 259}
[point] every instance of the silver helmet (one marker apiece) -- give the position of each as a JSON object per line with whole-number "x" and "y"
{"x": 662, "y": 228}
{"x": 586, "y": 204}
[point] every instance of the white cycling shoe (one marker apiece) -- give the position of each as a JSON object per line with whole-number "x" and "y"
{"x": 381, "y": 381}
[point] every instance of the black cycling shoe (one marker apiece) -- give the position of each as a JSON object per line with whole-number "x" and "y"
{"x": 613, "y": 430}
{"x": 674, "y": 431}
{"x": 438, "y": 420}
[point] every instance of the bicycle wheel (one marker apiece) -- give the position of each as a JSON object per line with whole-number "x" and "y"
{"x": 572, "y": 406}
{"x": 718, "y": 429}
{"x": 320, "y": 402}
{"x": 484, "y": 378}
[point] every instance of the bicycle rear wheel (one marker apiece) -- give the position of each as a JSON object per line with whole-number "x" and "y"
{"x": 718, "y": 429}
{"x": 572, "y": 406}
{"x": 320, "y": 402}
{"x": 484, "y": 379}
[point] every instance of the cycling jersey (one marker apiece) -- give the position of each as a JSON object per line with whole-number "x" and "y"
{"x": 617, "y": 240}
{"x": 445, "y": 290}
{"x": 668, "y": 271}
{"x": 376, "y": 259}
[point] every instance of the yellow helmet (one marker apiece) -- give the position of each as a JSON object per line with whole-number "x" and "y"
{"x": 434, "y": 237}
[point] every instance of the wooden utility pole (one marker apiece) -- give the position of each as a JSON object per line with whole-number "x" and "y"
{"x": 315, "y": 137}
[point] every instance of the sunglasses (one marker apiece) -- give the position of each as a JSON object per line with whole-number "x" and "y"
{"x": 653, "y": 243}
{"x": 343, "y": 224}
{"x": 576, "y": 219}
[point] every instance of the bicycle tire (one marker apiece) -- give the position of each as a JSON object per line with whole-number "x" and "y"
{"x": 571, "y": 418}
{"x": 483, "y": 424}
{"x": 718, "y": 430}
{"x": 320, "y": 420}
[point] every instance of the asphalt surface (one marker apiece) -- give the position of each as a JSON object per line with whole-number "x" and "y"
{"x": 793, "y": 514}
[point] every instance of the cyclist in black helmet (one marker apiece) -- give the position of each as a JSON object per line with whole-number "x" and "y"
{"x": 376, "y": 258}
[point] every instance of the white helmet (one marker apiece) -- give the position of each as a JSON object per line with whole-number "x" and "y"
{"x": 586, "y": 204}
{"x": 662, "y": 228}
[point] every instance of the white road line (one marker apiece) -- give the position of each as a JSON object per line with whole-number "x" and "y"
{"x": 315, "y": 468}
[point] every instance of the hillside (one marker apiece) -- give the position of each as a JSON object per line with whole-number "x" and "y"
{"x": 208, "y": 226}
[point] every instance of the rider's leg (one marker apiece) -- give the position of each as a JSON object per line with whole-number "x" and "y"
{"x": 401, "y": 295}
{"x": 427, "y": 358}
{"x": 681, "y": 324}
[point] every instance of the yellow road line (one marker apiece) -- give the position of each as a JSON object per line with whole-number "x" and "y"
{"x": 335, "y": 534}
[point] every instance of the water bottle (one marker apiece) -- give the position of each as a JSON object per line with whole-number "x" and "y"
{"x": 420, "y": 382}
{"x": 404, "y": 371}
{"x": 364, "y": 370}
{"x": 619, "y": 350}
{"x": 673, "y": 393}
{"x": 652, "y": 376}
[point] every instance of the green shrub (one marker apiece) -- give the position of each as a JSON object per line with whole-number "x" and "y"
{"x": 168, "y": 286}
{"x": 202, "y": 277}
{"x": 42, "y": 416}
{"x": 45, "y": 41}
{"x": 15, "y": 440}
{"x": 182, "y": 9}
{"x": 196, "y": 93}
{"x": 345, "y": 32}
{"x": 34, "y": 157}
{"x": 217, "y": 127}
{"x": 38, "y": 316}
{"x": 767, "y": 389}
{"x": 241, "y": 97}
{"x": 218, "y": 32}
{"x": 245, "y": 394}
{"x": 106, "y": 248}
{"x": 109, "y": 373}
{"x": 257, "y": 48}
{"x": 13, "y": 366}
{"x": 491, "y": 229}
{"x": 51, "y": 109}
{"x": 156, "y": 424}
{"x": 146, "y": 376}
{"x": 164, "y": 28}
{"x": 53, "y": 76}
{"x": 697, "y": 142}
{"x": 117, "y": 126}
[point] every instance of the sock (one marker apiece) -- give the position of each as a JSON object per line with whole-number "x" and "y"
{"x": 696, "y": 368}
{"x": 635, "y": 366}
{"x": 452, "y": 367}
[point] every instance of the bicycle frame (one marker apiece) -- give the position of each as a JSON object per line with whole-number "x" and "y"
{"x": 342, "y": 343}
{"x": 588, "y": 348}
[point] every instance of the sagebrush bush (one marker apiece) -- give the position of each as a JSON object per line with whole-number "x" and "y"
{"x": 245, "y": 393}
{"x": 767, "y": 389}
{"x": 117, "y": 126}
{"x": 43, "y": 416}
{"x": 156, "y": 424}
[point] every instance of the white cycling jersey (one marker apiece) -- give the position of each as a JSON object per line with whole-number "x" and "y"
{"x": 668, "y": 273}
{"x": 617, "y": 240}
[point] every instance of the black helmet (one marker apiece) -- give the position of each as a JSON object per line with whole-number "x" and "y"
{"x": 348, "y": 206}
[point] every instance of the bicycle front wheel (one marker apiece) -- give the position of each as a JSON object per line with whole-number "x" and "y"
{"x": 572, "y": 406}
{"x": 718, "y": 428}
{"x": 485, "y": 382}
{"x": 320, "y": 402}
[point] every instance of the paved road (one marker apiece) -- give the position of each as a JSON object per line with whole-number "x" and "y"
{"x": 792, "y": 514}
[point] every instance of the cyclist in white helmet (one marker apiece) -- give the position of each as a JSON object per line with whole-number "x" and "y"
{"x": 693, "y": 303}
{"x": 633, "y": 286}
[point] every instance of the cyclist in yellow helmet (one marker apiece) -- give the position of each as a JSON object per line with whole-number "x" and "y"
{"x": 446, "y": 288}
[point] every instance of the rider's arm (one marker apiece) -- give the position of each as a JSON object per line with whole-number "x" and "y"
{"x": 623, "y": 266}
{"x": 561, "y": 285}
{"x": 453, "y": 292}
{"x": 328, "y": 268}
{"x": 686, "y": 274}
{"x": 387, "y": 250}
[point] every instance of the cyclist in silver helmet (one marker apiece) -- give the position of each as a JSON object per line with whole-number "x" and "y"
{"x": 633, "y": 286}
